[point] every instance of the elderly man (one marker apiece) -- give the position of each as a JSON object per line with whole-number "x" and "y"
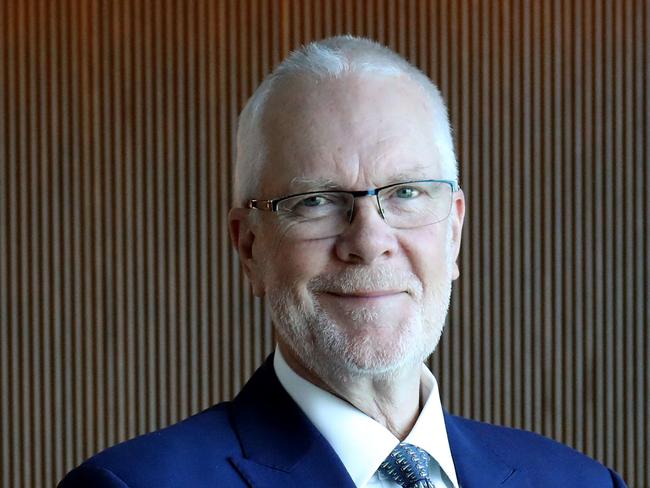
{"x": 348, "y": 219}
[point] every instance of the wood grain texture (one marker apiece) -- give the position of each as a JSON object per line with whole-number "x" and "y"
{"x": 122, "y": 305}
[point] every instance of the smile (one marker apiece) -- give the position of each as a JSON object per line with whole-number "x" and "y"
{"x": 367, "y": 295}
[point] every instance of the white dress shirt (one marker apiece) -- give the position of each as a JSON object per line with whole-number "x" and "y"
{"x": 362, "y": 443}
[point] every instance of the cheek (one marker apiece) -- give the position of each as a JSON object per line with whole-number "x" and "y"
{"x": 427, "y": 251}
{"x": 294, "y": 263}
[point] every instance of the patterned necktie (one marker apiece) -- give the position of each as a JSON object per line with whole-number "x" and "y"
{"x": 408, "y": 466}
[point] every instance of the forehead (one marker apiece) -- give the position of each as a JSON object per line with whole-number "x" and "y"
{"x": 354, "y": 132}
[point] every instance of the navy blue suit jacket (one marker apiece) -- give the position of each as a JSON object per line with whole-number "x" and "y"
{"x": 262, "y": 439}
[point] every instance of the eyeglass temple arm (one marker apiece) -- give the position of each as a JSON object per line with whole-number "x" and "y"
{"x": 261, "y": 205}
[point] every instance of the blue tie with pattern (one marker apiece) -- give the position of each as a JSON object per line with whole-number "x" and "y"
{"x": 408, "y": 466}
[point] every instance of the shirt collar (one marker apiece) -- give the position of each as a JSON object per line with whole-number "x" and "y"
{"x": 362, "y": 443}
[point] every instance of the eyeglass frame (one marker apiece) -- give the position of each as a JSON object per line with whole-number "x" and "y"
{"x": 271, "y": 205}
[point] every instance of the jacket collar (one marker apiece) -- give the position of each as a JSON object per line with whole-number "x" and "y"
{"x": 280, "y": 446}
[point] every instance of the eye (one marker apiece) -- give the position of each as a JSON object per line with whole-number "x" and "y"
{"x": 313, "y": 205}
{"x": 406, "y": 192}
{"x": 315, "y": 201}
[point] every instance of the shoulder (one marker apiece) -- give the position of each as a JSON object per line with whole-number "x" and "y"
{"x": 192, "y": 452}
{"x": 544, "y": 461}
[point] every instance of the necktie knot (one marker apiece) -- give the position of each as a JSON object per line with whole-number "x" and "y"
{"x": 408, "y": 466}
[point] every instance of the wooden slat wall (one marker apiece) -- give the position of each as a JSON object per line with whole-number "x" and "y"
{"x": 122, "y": 307}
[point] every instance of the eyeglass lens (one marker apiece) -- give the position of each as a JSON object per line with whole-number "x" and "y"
{"x": 327, "y": 214}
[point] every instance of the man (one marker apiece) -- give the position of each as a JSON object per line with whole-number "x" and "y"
{"x": 348, "y": 220}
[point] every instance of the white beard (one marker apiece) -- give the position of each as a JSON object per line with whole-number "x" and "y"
{"x": 331, "y": 350}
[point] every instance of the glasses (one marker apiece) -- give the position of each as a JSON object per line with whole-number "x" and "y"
{"x": 321, "y": 214}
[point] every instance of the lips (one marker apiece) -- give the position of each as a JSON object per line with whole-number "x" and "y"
{"x": 367, "y": 294}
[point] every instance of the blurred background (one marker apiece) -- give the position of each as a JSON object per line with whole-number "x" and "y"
{"x": 122, "y": 305}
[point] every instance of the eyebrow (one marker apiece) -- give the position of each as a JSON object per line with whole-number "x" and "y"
{"x": 302, "y": 184}
{"x": 415, "y": 174}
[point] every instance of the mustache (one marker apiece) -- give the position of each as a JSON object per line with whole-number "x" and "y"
{"x": 365, "y": 279}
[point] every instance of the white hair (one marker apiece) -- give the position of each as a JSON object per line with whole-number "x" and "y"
{"x": 330, "y": 58}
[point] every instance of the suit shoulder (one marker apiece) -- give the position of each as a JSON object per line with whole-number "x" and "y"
{"x": 209, "y": 429}
{"x": 200, "y": 444}
{"x": 539, "y": 456}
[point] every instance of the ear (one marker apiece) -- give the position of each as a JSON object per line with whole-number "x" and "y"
{"x": 242, "y": 237}
{"x": 458, "y": 217}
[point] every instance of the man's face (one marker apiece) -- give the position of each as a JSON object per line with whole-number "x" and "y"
{"x": 374, "y": 298}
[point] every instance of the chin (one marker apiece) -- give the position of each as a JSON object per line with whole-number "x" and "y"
{"x": 333, "y": 351}
{"x": 372, "y": 347}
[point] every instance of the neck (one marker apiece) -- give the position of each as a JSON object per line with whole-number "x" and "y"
{"x": 393, "y": 400}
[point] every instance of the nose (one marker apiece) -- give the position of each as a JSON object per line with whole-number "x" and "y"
{"x": 368, "y": 238}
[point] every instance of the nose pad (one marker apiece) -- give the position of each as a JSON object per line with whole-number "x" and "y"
{"x": 350, "y": 213}
{"x": 381, "y": 210}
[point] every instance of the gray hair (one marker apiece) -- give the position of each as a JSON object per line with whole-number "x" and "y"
{"x": 330, "y": 58}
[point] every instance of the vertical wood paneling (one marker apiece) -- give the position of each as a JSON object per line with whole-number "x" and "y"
{"x": 122, "y": 306}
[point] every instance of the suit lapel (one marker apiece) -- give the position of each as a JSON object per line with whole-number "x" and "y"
{"x": 476, "y": 463}
{"x": 280, "y": 446}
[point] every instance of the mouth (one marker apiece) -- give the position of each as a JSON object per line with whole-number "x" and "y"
{"x": 366, "y": 295}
